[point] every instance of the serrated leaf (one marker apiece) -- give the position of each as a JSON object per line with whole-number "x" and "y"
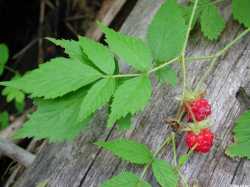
{"x": 55, "y": 78}
{"x": 4, "y": 120}
{"x": 128, "y": 150}
{"x": 4, "y": 56}
{"x": 241, "y": 11}
{"x": 71, "y": 48}
{"x": 132, "y": 96}
{"x": 12, "y": 93}
{"x": 98, "y": 54}
{"x": 164, "y": 173}
{"x": 124, "y": 123}
{"x": 167, "y": 74}
{"x": 98, "y": 95}
{"x": 125, "y": 179}
{"x": 132, "y": 50}
{"x": 212, "y": 23}
{"x": 240, "y": 147}
{"x": 166, "y": 33}
{"x": 55, "y": 119}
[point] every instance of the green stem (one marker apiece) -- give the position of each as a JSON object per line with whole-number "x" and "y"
{"x": 10, "y": 69}
{"x": 163, "y": 65}
{"x": 174, "y": 148}
{"x": 217, "y": 55}
{"x": 166, "y": 142}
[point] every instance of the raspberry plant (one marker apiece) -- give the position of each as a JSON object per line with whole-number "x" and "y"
{"x": 68, "y": 91}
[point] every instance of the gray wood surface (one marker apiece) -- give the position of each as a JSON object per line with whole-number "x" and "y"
{"x": 80, "y": 164}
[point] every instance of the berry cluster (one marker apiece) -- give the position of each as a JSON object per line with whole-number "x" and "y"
{"x": 199, "y": 136}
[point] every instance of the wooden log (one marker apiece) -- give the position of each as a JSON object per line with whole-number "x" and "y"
{"x": 80, "y": 164}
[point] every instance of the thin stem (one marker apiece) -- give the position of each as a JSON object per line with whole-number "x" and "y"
{"x": 163, "y": 65}
{"x": 122, "y": 75}
{"x": 166, "y": 142}
{"x": 218, "y": 54}
{"x": 10, "y": 69}
{"x": 174, "y": 148}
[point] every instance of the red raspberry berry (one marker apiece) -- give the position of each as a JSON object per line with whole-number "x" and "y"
{"x": 200, "y": 108}
{"x": 203, "y": 140}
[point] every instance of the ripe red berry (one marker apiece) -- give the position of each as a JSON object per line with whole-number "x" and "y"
{"x": 200, "y": 108}
{"x": 203, "y": 140}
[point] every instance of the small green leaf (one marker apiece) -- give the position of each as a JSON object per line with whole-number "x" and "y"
{"x": 212, "y": 23}
{"x": 55, "y": 119}
{"x": 98, "y": 95}
{"x": 132, "y": 50}
{"x": 125, "y": 179}
{"x": 55, "y": 78}
{"x": 166, "y": 33}
{"x": 124, "y": 123}
{"x": 98, "y": 54}
{"x": 241, "y": 11}
{"x": 72, "y": 48}
{"x": 240, "y": 147}
{"x": 20, "y": 106}
{"x": 12, "y": 93}
{"x": 183, "y": 159}
{"x": 132, "y": 96}
{"x": 165, "y": 173}
{"x": 128, "y": 150}
{"x": 167, "y": 74}
{"x": 4, "y": 120}
{"x": 4, "y": 56}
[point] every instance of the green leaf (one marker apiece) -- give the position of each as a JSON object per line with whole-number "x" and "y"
{"x": 12, "y": 93}
{"x": 4, "y": 120}
{"x": 166, "y": 33}
{"x": 98, "y": 54}
{"x": 72, "y": 48}
{"x": 240, "y": 147}
{"x": 132, "y": 50}
{"x": 132, "y": 96}
{"x": 212, "y": 23}
{"x": 241, "y": 11}
{"x": 167, "y": 74}
{"x": 20, "y": 106}
{"x": 186, "y": 13}
{"x": 55, "y": 78}
{"x": 125, "y": 179}
{"x": 165, "y": 173}
{"x": 124, "y": 123}
{"x": 98, "y": 95}
{"x": 4, "y": 56}
{"x": 55, "y": 119}
{"x": 128, "y": 150}
{"x": 183, "y": 159}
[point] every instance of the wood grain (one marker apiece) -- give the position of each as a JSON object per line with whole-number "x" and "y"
{"x": 80, "y": 164}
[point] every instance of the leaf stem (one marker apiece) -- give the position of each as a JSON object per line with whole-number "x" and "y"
{"x": 163, "y": 65}
{"x": 217, "y": 55}
{"x": 174, "y": 148}
{"x": 10, "y": 69}
{"x": 166, "y": 142}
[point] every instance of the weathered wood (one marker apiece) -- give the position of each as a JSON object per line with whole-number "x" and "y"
{"x": 80, "y": 164}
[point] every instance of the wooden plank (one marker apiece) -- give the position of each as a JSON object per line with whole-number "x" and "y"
{"x": 80, "y": 164}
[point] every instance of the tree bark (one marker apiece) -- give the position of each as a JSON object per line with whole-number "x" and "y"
{"x": 81, "y": 164}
